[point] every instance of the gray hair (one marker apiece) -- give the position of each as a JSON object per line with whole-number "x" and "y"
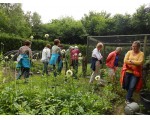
{"x": 118, "y": 49}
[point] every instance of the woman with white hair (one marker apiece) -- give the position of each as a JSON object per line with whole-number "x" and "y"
{"x": 96, "y": 61}
{"x": 112, "y": 62}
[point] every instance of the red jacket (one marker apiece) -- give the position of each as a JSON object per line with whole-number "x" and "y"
{"x": 74, "y": 54}
{"x": 111, "y": 59}
{"x": 137, "y": 71}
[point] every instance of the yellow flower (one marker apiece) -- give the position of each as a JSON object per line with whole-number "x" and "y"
{"x": 69, "y": 73}
{"x": 97, "y": 77}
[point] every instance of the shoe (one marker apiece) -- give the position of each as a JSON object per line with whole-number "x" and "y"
{"x": 127, "y": 101}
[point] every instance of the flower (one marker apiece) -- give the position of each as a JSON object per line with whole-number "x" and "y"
{"x": 80, "y": 54}
{"x": 12, "y": 55}
{"x": 46, "y": 35}
{"x": 69, "y": 73}
{"x": 63, "y": 51}
{"x": 31, "y": 37}
{"x": 6, "y": 57}
{"x": 97, "y": 77}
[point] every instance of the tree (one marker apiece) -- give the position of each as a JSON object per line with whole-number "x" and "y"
{"x": 14, "y": 17}
{"x": 141, "y": 20}
{"x": 36, "y": 25}
{"x": 122, "y": 24}
{"x": 70, "y": 30}
{"x": 95, "y": 23}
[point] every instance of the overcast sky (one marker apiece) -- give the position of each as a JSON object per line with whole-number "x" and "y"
{"x": 54, "y": 9}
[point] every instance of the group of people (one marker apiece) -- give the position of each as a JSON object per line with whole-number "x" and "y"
{"x": 50, "y": 56}
{"x": 131, "y": 73}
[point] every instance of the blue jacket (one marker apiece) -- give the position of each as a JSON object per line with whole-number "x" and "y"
{"x": 24, "y": 61}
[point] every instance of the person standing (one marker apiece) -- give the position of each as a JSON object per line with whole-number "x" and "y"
{"x": 112, "y": 62}
{"x": 22, "y": 53}
{"x": 60, "y": 59}
{"x": 131, "y": 74}
{"x": 26, "y": 46}
{"x": 68, "y": 58}
{"x": 45, "y": 58}
{"x": 96, "y": 61}
{"x": 55, "y": 54}
{"x": 25, "y": 65}
{"x": 74, "y": 58}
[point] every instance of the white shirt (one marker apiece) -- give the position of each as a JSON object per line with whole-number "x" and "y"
{"x": 96, "y": 54}
{"x": 45, "y": 55}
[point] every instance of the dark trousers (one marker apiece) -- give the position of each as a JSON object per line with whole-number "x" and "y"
{"x": 130, "y": 84}
{"x": 45, "y": 68}
{"x": 75, "y": 67}
{"x": 23, "y": 71}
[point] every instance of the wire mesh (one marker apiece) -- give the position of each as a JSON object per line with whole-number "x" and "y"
{"x": 111, "y": 42}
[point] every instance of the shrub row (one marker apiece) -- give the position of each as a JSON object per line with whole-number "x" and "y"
{"x": 9, "y": 43}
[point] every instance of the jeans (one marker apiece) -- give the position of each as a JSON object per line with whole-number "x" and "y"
{"x": 130, "y": 84}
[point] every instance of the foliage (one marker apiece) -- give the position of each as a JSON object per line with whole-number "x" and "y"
{"x": 14, "y": 20}
{"x": 53, "y": 95}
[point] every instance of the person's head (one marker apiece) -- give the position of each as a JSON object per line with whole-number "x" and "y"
{"x": 118, "y": 50}
{"x": 136, "y": 46}
{"x": 99, "y": 46}
{"x": 56, "y": 42}
{"x": 27, "y": 43}
{"x": 48, "y": 46}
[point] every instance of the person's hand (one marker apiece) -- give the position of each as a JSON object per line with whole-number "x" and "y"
{"x": 131, "y": 62}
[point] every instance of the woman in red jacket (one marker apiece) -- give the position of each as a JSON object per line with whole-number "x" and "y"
{"x": 112, "y": 62}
